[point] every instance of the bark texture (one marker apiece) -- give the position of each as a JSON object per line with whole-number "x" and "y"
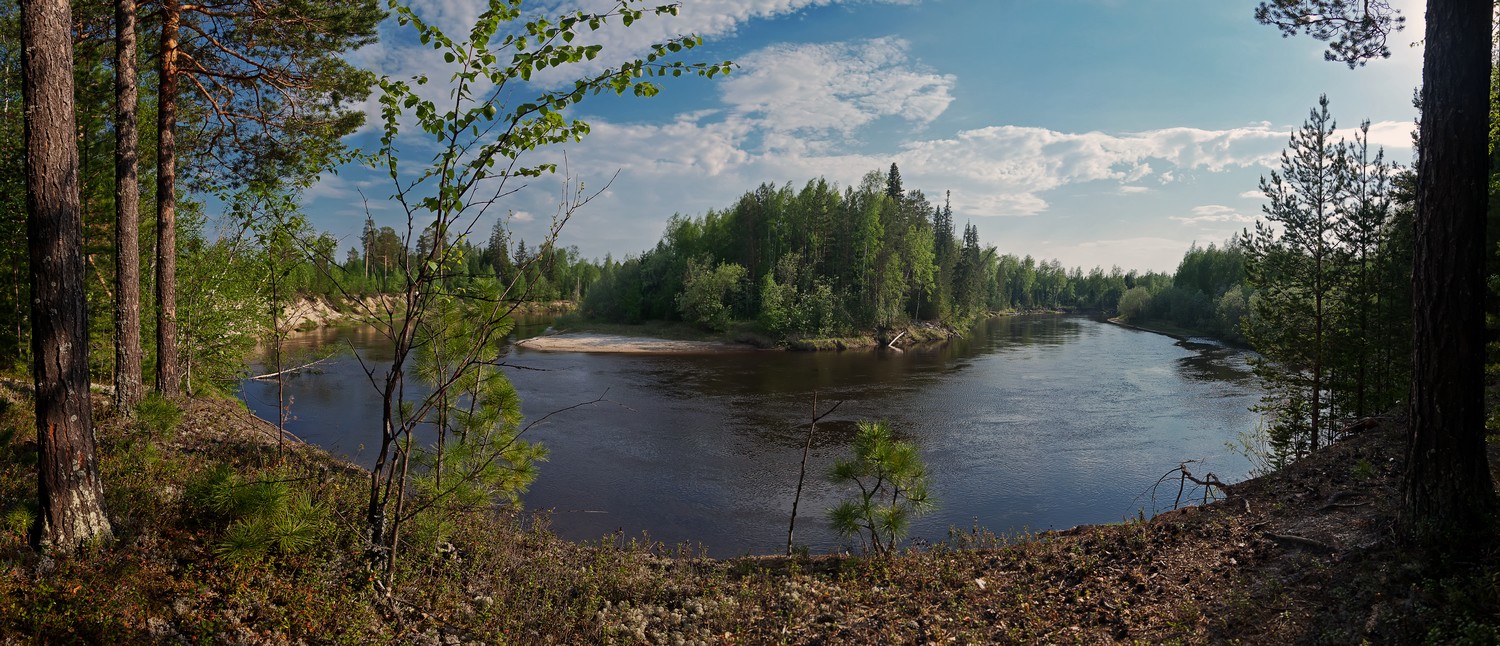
{"x": 128, "y": 378}
{"x": 168, "y": 377}
{"x": 1447, "y": 492}
{"x": 70, "y": 494}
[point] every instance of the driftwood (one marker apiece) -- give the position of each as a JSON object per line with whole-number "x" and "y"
{"x": 892, "y": 344}
{"x": 273, "y": 375}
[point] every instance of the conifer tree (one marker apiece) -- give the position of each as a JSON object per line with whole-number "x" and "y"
{"x": 1447, "y": 487}
{"x": 1295, "y": 266}
{"x": 271, "y": 83}
{"x": 71, "y": 496}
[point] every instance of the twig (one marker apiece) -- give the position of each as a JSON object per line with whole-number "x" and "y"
{"x": 802, "y": 475}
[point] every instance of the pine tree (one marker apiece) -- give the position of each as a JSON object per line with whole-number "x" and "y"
{"x": 70, "y": 494}
{"x": 129, "y": 388}
{"x": 1296, "y": 269}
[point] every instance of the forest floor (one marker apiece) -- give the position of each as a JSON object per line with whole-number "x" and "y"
{"x": 1304, "y": 555}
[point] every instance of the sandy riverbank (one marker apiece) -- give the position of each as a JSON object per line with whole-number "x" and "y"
{"x": 594, "y": 342}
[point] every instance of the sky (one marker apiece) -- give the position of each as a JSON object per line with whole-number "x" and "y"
{"x": 1095, "y": 132}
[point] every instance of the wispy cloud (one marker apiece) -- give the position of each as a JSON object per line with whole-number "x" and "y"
{"x": 706, "y": 18}
{"x": 1214, "y": 214}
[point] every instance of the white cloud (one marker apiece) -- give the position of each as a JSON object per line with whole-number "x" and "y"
{"x": 1015, "y": 165}
{"x": 522, "y": 216}
{"x": 1253, "y": 195}
{"x": 1391, "y": 135}
{"x": 834, "y": 86}
{"x": 704, "y": 160}
{"x": 706, "y": 18}
{"x": 1144, "y": 253}
{"x": 1214, "y": 214}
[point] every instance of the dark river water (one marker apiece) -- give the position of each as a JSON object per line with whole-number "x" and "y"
{"x": 1032, "y": 423}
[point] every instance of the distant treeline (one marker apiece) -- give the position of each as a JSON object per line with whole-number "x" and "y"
{"x": 540, "y": 273}
{"x": 825, "y": 261}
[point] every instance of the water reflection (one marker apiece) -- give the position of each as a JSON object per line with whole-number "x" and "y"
{"x": 1034, "y": 422}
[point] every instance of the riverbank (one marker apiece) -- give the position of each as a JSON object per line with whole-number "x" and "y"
{"x": 661, "y": 337}
{"x": 596, "y": 342}
{"x": 1174, "y": 331}
{"x": 312, "y": 311}
{"x": 1302, "y": 555}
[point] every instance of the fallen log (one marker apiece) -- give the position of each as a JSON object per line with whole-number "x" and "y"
{"x": 273, "y": 375}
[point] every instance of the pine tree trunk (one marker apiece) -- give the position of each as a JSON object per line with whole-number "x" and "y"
{"x": 1447, "y": 489}
{"x": 168, "y": 381}
{"x": 128, "y": 387}
{"x": 69, "y": 491}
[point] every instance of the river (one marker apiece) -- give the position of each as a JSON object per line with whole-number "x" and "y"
{"x": 1031, "y": 423}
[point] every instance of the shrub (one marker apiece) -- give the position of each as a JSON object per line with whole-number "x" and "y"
{"x": 892, "y": 489}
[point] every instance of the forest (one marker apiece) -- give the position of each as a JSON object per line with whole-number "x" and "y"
{"x": 821, "y": 261}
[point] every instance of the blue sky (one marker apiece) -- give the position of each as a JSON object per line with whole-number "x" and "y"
{"x": 1096, "y": 132}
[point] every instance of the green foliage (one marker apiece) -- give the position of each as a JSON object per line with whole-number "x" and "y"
{"x": 18, "y": 520}
{"x": 708, "y": 294}
{"x": 827, "y": 261}
{"x": 221, "y": 308}
{"x": 890, "y": 480}
{"x": 481, "y": 130}
{"x": 158, "y": 416}
{"x": 479, "y": 457}
{"x": 264, "y": 517}
{"x": 788, "y": 311}
{"x": 1134, "y": 303}
{"x": 1329, "y": 268}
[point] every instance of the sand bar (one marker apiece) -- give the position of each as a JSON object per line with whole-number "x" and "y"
{"x": 592, "y": 342}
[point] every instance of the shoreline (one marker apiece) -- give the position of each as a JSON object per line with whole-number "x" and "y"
{"x": 596, "y": 342}
{"x": 583, "y": 339}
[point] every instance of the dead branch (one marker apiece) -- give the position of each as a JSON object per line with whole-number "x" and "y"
{"x": 1208, "y": 482}
{"x": 304, "y": 366}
